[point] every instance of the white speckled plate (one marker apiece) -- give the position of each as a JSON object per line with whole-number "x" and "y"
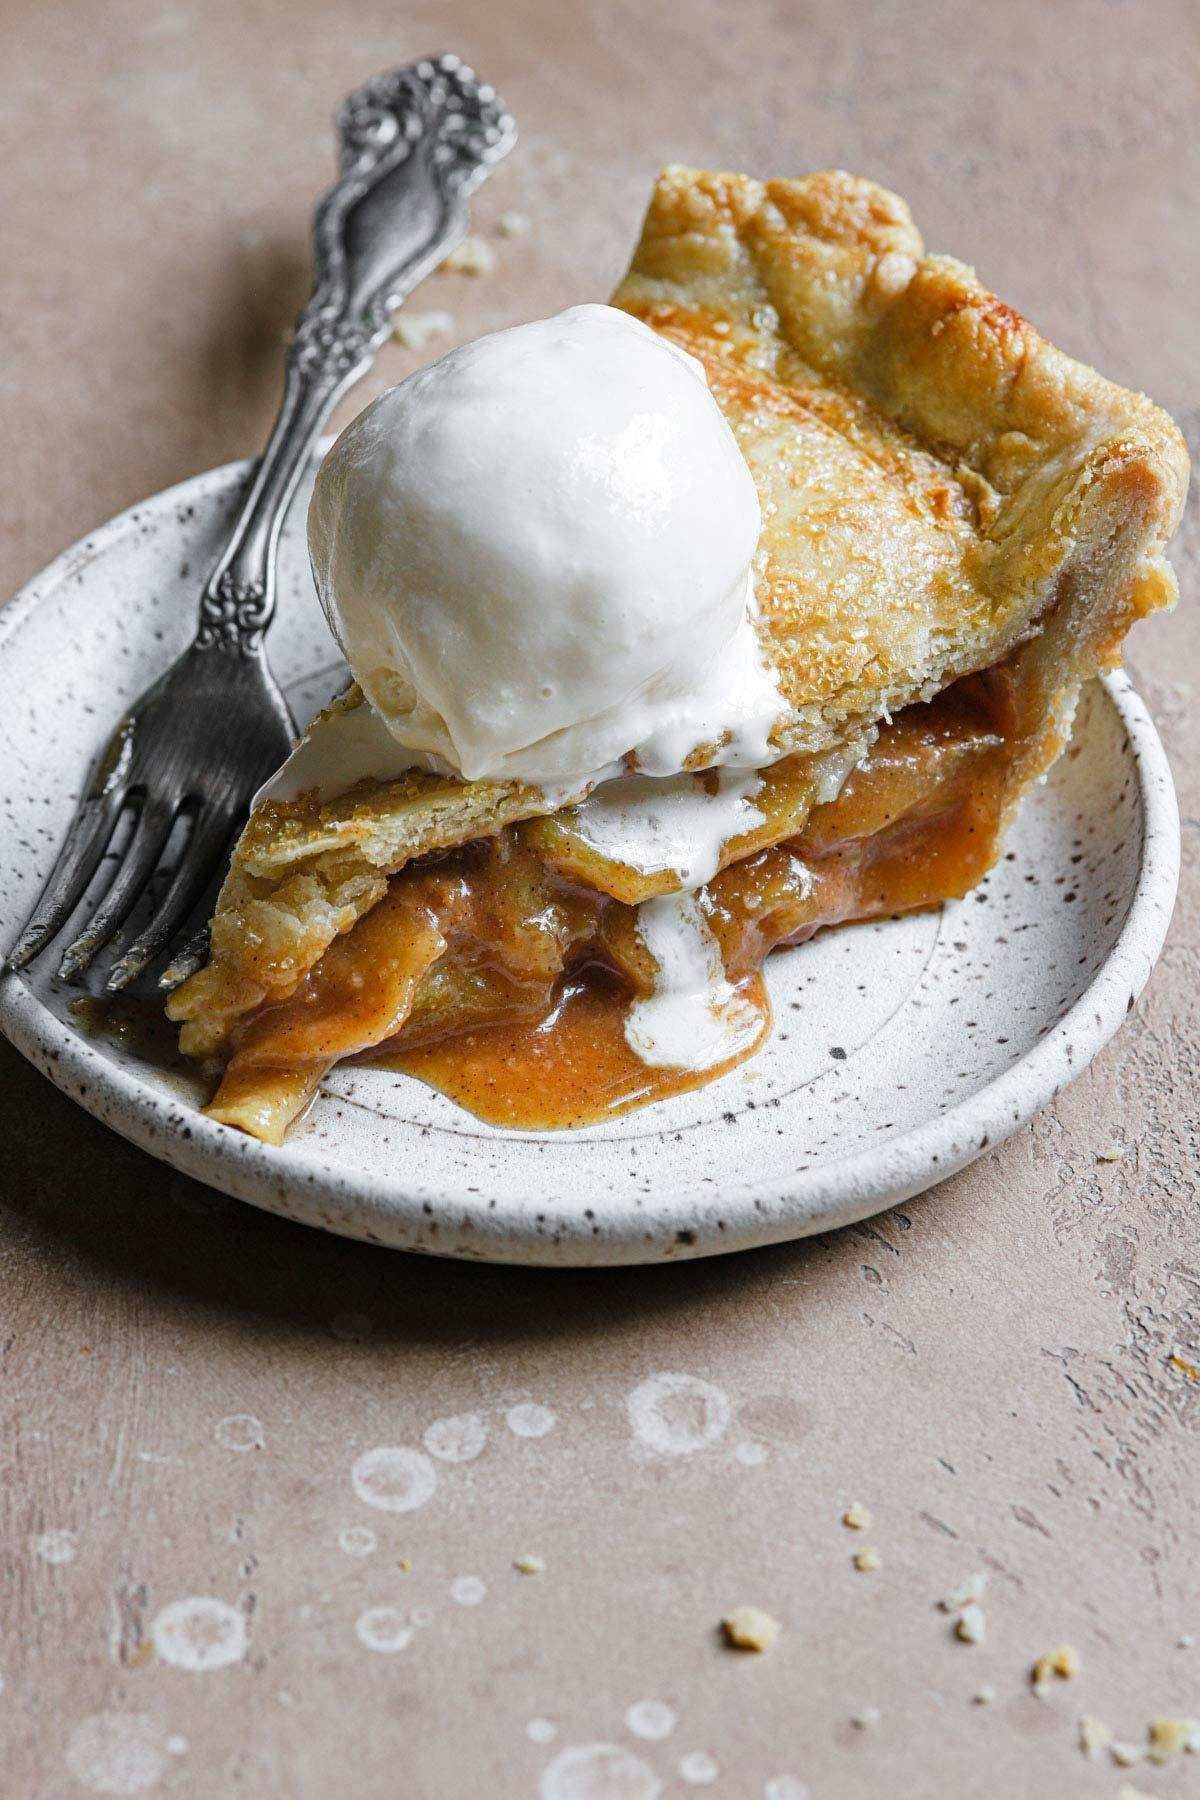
{"x": 900, "y": 1051}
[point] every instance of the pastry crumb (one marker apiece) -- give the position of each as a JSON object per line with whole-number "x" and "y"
{"x": 404, "y": 1564}
{"x": 1184, "y": 1366}
{"x": 529, "y": 1565}
{"x": 415, "y": 330}
{"x": 1111, "y": 1153}
{"x": 967, "y": 1593}
{"x": 750, "y": 1628}
{"x": 868, "y": 1559}
{"x": 514, "y": 224}
{"x": 1063, "y": 1662}
{"x": 867, "y": 1719}
{"x": 971, "y": 1625}
{"x": 1126, "y": 1754}
{"x": 473, "y": 256}
{"x": 983, "y": 1696}
{"x": 1131, "y": 1793}
{"x": 856, "y": 1516}
{"x": 1094, "y": 1736}
{"x": 1167, "y": 1738}
{"x": 1186, "y": 1641}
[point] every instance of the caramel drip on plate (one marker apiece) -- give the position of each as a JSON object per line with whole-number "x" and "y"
{"x": 573, "y": 1067}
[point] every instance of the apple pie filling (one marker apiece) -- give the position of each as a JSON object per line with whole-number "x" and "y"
{"x": 518, "y": 973}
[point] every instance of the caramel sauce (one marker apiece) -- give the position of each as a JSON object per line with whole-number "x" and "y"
{"x": 571, "y": 1067}
{"x": 137, "y": 1023}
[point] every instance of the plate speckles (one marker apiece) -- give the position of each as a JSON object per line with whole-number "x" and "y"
{"x": 901, "y": 1050}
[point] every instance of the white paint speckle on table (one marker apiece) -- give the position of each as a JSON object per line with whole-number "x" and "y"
{"x": 394, "y": 1478}
{"x": 240, "y": 1431}
{"x": 530, "y": 1421}
{"x": 675, "y": 1415}
{"x": 468, "y": 1590}
{"x": 650, "y": 1719}
{"x": 459, "y": 1439}
{"x": 698, "y": 1768}
{"x": 750, "y": 1454}
{"x": 116, "y": 1753}
{"x": 786, "y": 1787}
{"x": 598, "y": 1772}
{"x": 357, "y": 1540}
{"x": 54, "y": 1547}
{"x": 541, "y": 1731}
{"x": 199, "y": 1634}
{"x": 384, "y": 1628}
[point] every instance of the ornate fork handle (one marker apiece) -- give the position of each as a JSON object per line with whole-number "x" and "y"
{"x": 414, "y": 144}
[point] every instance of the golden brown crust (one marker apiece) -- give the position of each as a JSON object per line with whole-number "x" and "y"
{"x": 936, "y": 481}
{"x": 929, "y": 465}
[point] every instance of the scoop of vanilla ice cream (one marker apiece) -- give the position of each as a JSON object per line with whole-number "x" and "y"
{"x": 535, "y": 554}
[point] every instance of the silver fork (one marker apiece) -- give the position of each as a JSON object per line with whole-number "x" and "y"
{"x": 192, "y": 752}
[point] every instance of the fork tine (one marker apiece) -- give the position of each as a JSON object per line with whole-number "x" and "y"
{"x": 211, "y": 836}
{"x": 149, "y": 839}
{"x": 78, "y": 860}
{"x": 191, "y": 955}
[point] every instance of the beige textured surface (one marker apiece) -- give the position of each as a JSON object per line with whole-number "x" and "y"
{"x": 988, "y": 1371}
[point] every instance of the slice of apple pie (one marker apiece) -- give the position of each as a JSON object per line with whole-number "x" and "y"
{"x": 959, "y": 525}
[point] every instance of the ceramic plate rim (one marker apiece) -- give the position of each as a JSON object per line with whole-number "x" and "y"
{"x": 836, "y": 1193}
